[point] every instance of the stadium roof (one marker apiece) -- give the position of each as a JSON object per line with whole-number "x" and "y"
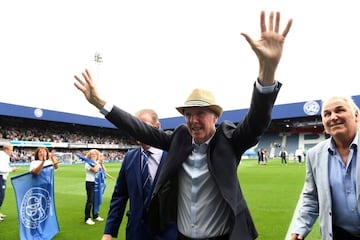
{"x": 295, "y": 110}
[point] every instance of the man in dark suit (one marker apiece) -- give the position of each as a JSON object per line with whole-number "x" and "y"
{"x": 129, "y": 186}
{"x": 198, "y": 185}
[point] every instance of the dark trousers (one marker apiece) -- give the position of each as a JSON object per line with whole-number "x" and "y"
{"x": 341, "y": 234}
{"x": 2, "y": 190}
{"x": 89, "y": 207}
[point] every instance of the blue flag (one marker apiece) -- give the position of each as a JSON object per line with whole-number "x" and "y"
{"x": 100, "y": 183}
{"x": 85, "y": 159}
{"x": 36, "y": 204}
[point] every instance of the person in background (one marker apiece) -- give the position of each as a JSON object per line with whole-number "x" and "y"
{"x": 283, "y": 156}
{"x": 91, "y": 171}
{"x": 266, "y": 155}
{"x": 198, "y": 186}
{"x": 332, "y": 183}
{"x": 299, "y": 154}
{"x": 129, "y": 187}
{"x": 5, "y": 169}
{"x": 260, "y": 154}
{"x": 42, "y": 158}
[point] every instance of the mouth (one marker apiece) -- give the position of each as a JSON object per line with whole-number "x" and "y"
{"x": 334, "y": 125}
{"x": 195, "y": 128}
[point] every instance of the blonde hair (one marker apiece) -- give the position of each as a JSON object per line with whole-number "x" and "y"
{"x": 151, "y": 112}
{"x": 97, "y": 152}
{"x": 7, "y": 146}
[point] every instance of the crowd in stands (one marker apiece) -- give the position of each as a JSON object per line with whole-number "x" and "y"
{"x": 45, "y": 131}
{"x": 17, "y": 129}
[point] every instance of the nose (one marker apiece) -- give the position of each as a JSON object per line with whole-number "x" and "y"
{"x": 192, "y": 117}
{"x": 333, "y": 116}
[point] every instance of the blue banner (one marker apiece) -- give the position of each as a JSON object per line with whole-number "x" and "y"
{"x": 85, "y": 159}
{"x": 36, "y": 204}
{"x": 100, "y": 183}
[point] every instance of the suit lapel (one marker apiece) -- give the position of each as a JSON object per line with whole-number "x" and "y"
{"x": 323, "y": 156}
{"x": 137, "y": 165}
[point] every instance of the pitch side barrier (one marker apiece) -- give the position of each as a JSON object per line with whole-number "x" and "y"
{"x": 67, "y": 145}
{"x": 63, "y": 158}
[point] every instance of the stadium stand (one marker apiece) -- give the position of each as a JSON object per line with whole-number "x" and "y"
{"x": 294, "y": 125}
{"x": 27, "y": 134}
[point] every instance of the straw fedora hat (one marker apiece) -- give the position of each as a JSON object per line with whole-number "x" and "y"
{"x": 201, "y": 98}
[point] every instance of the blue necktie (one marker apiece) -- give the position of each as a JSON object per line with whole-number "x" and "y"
{"x": 146, "y": 177}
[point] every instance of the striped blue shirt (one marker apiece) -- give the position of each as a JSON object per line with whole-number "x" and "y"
{"x": 202, "y": 211}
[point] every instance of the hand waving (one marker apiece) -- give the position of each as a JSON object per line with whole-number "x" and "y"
{"x": 269, "y": 48}
{"x": 88, "y": 87}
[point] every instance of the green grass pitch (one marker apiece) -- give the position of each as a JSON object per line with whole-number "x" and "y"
{"x": 271, "y": 191}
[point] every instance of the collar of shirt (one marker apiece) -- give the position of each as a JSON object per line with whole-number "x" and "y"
{"x": 201, "y": 148}
{"x": 332, "y": 149}
{"x": 156, "y": 154}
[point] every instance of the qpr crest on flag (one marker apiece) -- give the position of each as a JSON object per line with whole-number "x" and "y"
{"x": 35, "y": 204}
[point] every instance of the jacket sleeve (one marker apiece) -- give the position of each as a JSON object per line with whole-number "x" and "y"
{"x": 118, "y": 203}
